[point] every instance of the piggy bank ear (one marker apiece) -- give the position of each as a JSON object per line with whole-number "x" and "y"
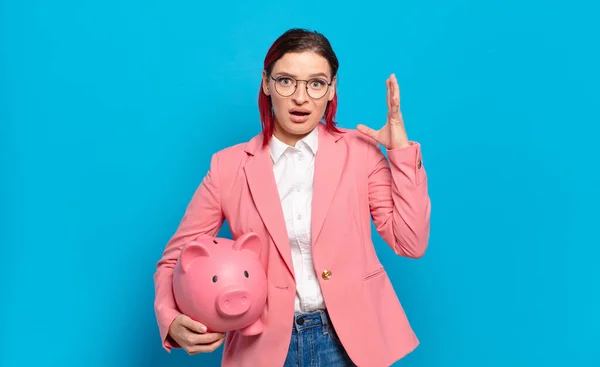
{"x": 249, "y": 241}
{"x": 191, "y": 252}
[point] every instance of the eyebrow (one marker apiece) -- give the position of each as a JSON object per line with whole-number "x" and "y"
{"x": 283, "y": 73}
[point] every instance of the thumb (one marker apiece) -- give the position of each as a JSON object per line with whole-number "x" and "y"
{"x": 193, "y": 325}
{"x": 367, "y": 131}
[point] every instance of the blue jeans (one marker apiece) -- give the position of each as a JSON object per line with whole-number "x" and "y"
{"x": 314, "y": 342}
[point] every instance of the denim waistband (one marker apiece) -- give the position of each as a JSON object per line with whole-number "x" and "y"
{"x": 305, "y": 320}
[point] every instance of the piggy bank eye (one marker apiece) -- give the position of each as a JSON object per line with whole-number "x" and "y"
{"x": 246, "y": 274}
{"x": 214, "y": 279}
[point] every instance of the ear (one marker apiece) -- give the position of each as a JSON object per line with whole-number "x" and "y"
{"x": 332, "y": 88}
{"x": 265, "y": 83}
{"x": 191, "y": 252}
{"x": 249, "y": 241}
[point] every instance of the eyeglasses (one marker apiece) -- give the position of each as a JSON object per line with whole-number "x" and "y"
{"x": 315, "y": 87}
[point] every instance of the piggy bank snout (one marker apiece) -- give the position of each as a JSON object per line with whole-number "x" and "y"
{"x": 234, "y": 301}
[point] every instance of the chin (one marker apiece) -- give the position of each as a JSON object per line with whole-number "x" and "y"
{"x": 300, "y": 128}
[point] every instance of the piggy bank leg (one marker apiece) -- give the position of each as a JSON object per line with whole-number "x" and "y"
{"x": 253, "y": 329}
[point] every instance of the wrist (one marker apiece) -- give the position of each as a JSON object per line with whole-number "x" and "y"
{"x": 400, "y": 141}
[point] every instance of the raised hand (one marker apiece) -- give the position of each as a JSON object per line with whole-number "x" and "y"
{"x": 392, "y": 134}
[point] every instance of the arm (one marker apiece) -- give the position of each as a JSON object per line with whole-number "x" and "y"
{"x": 203, "y": 217}
{"x": 398, "y": 198}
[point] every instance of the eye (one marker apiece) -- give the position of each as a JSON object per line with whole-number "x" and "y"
{"x": 318, "y": 84}
{"x": 284, "y": 81}
{"x": 246, "y": 274}
{"x": 214, "y": 279}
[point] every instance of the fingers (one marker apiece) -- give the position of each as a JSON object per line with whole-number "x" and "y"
{"x": 393, "y": 97}
{"x": 195, "y": 332}
{"x": 193, "y": 325}
{"x": 196, "y": 339}
{"x": 395, "y": 94}
{"x": 206, "y": 348}
{"x": 192, "y": 336}
{"x": 388, "y": 94}
{"x": 202, "y": 343}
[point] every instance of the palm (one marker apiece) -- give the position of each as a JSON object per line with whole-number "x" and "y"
{"x": 392, "y": 134}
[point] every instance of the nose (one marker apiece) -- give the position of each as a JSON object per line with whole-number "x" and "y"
{"x": 233, "y": 301}
{"x": 301, "y": 94}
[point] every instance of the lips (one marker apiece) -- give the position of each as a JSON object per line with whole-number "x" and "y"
{"x": 299, "y": 115}
{"x": 299, "y": 112}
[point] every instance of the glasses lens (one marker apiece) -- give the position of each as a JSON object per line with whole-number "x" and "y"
{"x": 317, "y": 88}
{"x": 285, "y": 86}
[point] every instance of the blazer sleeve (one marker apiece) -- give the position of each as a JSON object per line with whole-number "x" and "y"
{"x": 398, "y": 198}
{"x": 203, "y": 217}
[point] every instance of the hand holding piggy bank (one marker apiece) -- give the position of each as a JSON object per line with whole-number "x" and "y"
{"x": 222, "y": 284}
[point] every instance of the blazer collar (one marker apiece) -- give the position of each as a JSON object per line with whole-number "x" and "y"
{"x": 277, "y": 147}
{"x": 255, "y": 145}
{"x": 329, "y": 163}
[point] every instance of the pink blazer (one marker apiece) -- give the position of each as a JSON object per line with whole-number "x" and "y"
{"x": 353, "y": 183}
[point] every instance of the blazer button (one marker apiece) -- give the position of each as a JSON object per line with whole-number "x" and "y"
{"x": 419, "y": 164}
{"x": 326, "y": 274}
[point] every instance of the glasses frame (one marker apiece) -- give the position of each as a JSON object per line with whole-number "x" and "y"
{"x": 296, "y": 86}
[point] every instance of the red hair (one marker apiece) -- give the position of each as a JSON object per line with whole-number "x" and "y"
{"x": 296, "y": 40}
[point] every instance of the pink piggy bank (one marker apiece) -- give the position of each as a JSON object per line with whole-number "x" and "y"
{"x": 222, "y": 284}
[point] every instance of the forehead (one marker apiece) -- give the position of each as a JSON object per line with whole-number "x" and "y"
{"x": 302, "y": 64}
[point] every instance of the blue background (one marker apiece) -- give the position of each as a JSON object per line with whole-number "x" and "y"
{"x": 110, "y": 110}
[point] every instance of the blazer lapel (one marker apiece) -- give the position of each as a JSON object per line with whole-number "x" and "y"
{"x": 329, "y": 163}
{"x": 263, "y": 188}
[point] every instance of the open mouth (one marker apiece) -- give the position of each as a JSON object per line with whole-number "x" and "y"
{"x": 299, "y": 116}
{"x": 299, "y": 113}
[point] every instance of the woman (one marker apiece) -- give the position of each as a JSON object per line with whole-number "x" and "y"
{"x": 310, "y": 189}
